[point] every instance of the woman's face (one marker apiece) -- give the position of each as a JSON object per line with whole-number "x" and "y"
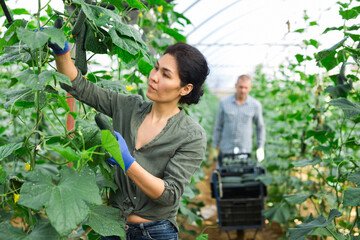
{"x": 164, "y": 81}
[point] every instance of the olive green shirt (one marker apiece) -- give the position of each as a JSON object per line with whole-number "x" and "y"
{"x": 173, "y": 155}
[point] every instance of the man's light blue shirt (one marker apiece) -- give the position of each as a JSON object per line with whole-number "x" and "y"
{"x": 234, "y": 125}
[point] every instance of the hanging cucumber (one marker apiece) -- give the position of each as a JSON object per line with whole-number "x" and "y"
{"x": 104, "y": 123}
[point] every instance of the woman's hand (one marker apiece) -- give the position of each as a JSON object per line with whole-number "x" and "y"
{"x": 126, "y": 156}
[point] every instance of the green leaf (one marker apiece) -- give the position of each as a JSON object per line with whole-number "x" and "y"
{"x": 355, "y": 178}
{"x": 42, "y": 231}
{"x": 39, "y": 38}
{"x": 304, "y": 229}
{"x": 35, "y": 81}
{"x": 186, "y": 211}
{"x": 55, "y": 193}
{"x": 351, "y": 197}
{"x": 14, "y": 53}
{"x": 297, "y": 198}
{"x": 6, "y": 150}
{"x": 145, "y": 67}
{"x": 124, "y": 42}
{"x": 106, "y": 221}
{"x": 351, "y": 109}
{"x": 339, "y": 90}
{"x": 136, "y": 4}
{"x": 350, "y": 13}
{"x": 61, "y": 78}
{"x": 22, "y": 97}
{"x": 66, "y": 152}
{"x": 202, "y": 237}
{"x": 171, "y": 32}
{"x": 20, "y": 11}
{"x": 279, "y": 213}
{"x": 318, "y": 135}
{"x": 110, "y": 143}
{"x": 324, "y": 53}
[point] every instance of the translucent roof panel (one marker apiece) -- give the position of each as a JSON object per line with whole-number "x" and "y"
{"x": 237, "y": 35}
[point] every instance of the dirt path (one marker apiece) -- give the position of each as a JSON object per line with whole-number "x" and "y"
{"x": 269, "y": 232}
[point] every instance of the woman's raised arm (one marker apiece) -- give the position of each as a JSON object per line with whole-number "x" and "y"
{"x": 65, "y": 65}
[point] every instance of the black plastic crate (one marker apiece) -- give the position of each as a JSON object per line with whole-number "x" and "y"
{"x": 253, "y": 189}
{"x": 241, "y": 213}
{"x": 237, "y": 182}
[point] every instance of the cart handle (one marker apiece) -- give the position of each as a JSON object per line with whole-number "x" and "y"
{"x": 220, "y": 182}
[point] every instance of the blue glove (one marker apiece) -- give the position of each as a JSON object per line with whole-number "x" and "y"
{"x": 127, "y": 158}
{"x": 56, "y": 48}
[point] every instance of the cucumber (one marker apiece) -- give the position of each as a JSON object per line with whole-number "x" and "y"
{"x": 104, "y": 123}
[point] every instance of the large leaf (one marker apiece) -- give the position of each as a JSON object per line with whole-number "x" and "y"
{"x": 318, "y": 135}
{"x": 19, "y": 97}
{"x": 145, "y": 67}
{"x": 36, "y": 39}
{"x": 171, "y": 32}
{"x": 322, "y": 54}
{"x": 10, "y": 36}
{"x": 355, "y": 178}
{"x": 304, "y": 229}
{"x": 351, "y": 109}
{"x": 298, "y": 198}
{"x": 35, "y": 81}
{"x": 352, "y": 197}
{"x": 42, "y": 231}
{"x": 110, "y": 143}
{"x": 14, "y": 53}
{"x": 67, "y": 197}
{"x": 8, "y": 149}
{"x": 106, "y": 221}
{"x": 279, "y": 213}
{"x": 124, "y": 42}
{"x": 339, "y": 90}
{"x": 350, "y": 13}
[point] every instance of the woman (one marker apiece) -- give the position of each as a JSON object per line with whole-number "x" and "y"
{"x": 161, "y": 146}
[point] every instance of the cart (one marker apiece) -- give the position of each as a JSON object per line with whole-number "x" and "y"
{"x": 239, "y": 196}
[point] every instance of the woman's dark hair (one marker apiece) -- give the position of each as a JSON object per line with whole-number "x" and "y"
{"x": 192, "y": 67}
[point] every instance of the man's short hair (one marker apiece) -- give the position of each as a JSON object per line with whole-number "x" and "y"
{"x": 244, "y": 77}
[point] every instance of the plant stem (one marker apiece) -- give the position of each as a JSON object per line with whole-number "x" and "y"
{"x": 355, "y": 221}
{"x": 54, "y": 162}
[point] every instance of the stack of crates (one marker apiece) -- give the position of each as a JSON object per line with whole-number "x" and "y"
{"x": 239, "y": 196}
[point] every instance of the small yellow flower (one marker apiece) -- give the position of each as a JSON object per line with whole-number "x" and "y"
{"x": 86, "y": 77}
{"x": 100, "y": 14}
{"x": 71, "y": 36}
{"x": 140, "y": 15}
{"x": 150, "y": 36}
{"x": 16, "y": 197}
{"x": 129, "y": 87}
{"x": 68, "y": 24}
{"x": 160, "y": 9}
{"x": 27, "y": 167}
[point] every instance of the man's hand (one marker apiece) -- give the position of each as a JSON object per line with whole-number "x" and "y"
{"x": 260, "y": 154}
{"x": 126, "y": 156}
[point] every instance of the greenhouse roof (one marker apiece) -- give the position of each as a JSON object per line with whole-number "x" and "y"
{"x": 237, "y": 35}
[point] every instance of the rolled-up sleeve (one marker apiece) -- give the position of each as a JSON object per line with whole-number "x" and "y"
{"x": 181, "y": 168}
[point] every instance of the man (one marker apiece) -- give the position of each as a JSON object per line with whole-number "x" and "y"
{"x": 234, "y": 122}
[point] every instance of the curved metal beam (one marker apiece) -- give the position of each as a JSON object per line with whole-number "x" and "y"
{"x": 189, "y": 7}
{"x": 212, "y": 16}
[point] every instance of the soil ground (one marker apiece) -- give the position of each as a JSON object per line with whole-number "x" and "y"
{"x": 271, "y": 231}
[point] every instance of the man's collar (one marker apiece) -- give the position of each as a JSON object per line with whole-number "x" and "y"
{"x": 246, "y": 100}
